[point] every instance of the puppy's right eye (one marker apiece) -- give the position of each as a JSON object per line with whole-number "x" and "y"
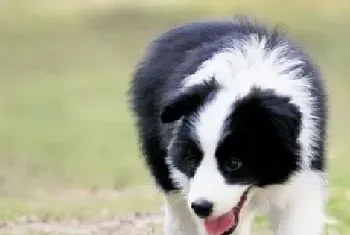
{"x": 192, "y": 161}
{"x": 191, "y": 156}
{"x": 192, "y": 164}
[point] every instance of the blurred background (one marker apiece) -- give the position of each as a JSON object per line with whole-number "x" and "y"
{"x": 67, "y": 145}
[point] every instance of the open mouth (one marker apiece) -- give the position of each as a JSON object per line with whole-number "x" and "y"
{"x": 226, "y": 223}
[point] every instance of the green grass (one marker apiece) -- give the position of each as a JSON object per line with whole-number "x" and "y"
{"x": 64, "y": 121}
{"x": 80, "y": 205}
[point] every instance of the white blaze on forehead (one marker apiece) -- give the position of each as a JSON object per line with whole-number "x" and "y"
{"x": 211, "y": 120}
{"x": 208, "y": 126}
{"x": 246, "y": 64}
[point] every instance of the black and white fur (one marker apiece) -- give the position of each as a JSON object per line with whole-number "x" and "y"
{"x": 223, "y": 105}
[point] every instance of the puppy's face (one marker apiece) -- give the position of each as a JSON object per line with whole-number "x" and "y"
{"x": 223, "y": 146}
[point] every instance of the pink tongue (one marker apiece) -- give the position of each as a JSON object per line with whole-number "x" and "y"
{"x": 221, "y": 224}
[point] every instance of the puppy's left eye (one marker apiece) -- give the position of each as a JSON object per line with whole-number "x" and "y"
{"x": 233, "y": 164}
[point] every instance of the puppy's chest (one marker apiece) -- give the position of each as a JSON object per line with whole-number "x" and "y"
{"x": 264, "y": 200}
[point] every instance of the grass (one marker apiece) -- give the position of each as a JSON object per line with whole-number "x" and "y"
{"x": 64, "y": 121}
{"x": 79, "y": 204}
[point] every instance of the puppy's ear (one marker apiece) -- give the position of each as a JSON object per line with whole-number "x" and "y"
{"x": 287, "y": 122}
{"x": 186, "y": 102}
{"x": 263, "y": 112}
{"x": 179, "y": 106}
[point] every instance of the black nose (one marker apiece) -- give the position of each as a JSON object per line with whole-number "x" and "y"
{"x": 202, "y": 207}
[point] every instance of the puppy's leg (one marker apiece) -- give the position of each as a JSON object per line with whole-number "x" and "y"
{"x": 301, "y": 208}
{"x": 178, "y": 219}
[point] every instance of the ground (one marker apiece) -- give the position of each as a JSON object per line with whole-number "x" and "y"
{"x": 81, "y": 212}
{"x": 69, "y": 162}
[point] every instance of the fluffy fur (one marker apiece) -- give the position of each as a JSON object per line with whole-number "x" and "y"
{"x": 225, "y": 105}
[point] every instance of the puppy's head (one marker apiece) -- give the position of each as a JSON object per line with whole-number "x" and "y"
{"x": 223, "y": 146}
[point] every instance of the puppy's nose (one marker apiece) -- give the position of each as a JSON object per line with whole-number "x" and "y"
{"x": 202, "y": 207}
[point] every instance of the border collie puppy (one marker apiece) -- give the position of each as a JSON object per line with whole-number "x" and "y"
{"x": 231, "y": 118}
